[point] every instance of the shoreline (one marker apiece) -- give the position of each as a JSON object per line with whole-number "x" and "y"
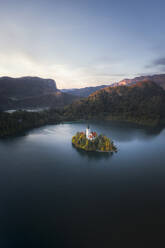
{"x": 98, "y": 151}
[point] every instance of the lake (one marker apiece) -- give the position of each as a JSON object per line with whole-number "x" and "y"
{"x": 52, "y": 195}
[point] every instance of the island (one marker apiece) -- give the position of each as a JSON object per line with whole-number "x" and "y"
{"x": 91, "y": 141}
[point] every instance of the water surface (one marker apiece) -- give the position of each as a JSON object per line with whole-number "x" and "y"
{"x": 52, "y": 195}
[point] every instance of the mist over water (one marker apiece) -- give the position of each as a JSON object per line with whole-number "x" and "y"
{"x": 52, "y": 195}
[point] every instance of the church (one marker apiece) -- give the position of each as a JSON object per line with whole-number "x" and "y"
{"x": 90, "y": 135}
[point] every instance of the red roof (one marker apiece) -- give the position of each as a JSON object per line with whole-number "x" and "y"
{"x": 94, "y": 134}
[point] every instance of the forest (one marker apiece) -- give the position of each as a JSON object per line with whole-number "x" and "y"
{"x": 142, "y": 103}
{"x": 21, "y": 121}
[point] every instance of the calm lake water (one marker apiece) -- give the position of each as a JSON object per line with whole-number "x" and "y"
{"x": 52, "y": 195}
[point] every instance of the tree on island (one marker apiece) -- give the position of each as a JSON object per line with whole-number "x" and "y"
{"x": 100, "y": 143}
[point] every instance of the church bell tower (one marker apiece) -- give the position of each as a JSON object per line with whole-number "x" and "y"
{"x": 87, "y": 131}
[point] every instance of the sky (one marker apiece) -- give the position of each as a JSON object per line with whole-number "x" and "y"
{"x": 82, "y": 43}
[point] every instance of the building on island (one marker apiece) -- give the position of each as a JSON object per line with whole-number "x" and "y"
{"x": 90, "y": 135}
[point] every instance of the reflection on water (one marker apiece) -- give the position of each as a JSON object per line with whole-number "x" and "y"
{"x": 93, "y": 155}
{"x": 127, "y": 132}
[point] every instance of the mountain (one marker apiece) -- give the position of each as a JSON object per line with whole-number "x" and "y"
{"x": 143, "y": 102}
{"x": 84, "y": 92}
{"x": 26, "y": 86}
{"x": 158, "y": 79}
{"x": 31, "y": 92}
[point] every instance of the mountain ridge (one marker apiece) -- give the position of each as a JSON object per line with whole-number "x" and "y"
{"x": 31, "y": 92}
{"x": 157, "y": 78}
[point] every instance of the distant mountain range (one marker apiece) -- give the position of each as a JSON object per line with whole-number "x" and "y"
{"x": 83, "y": 92}
{"x": 31, "y": 92}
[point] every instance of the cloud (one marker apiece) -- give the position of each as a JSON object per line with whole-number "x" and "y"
{"x": 159, "y": 62}
{"x": 157, "y": 65}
